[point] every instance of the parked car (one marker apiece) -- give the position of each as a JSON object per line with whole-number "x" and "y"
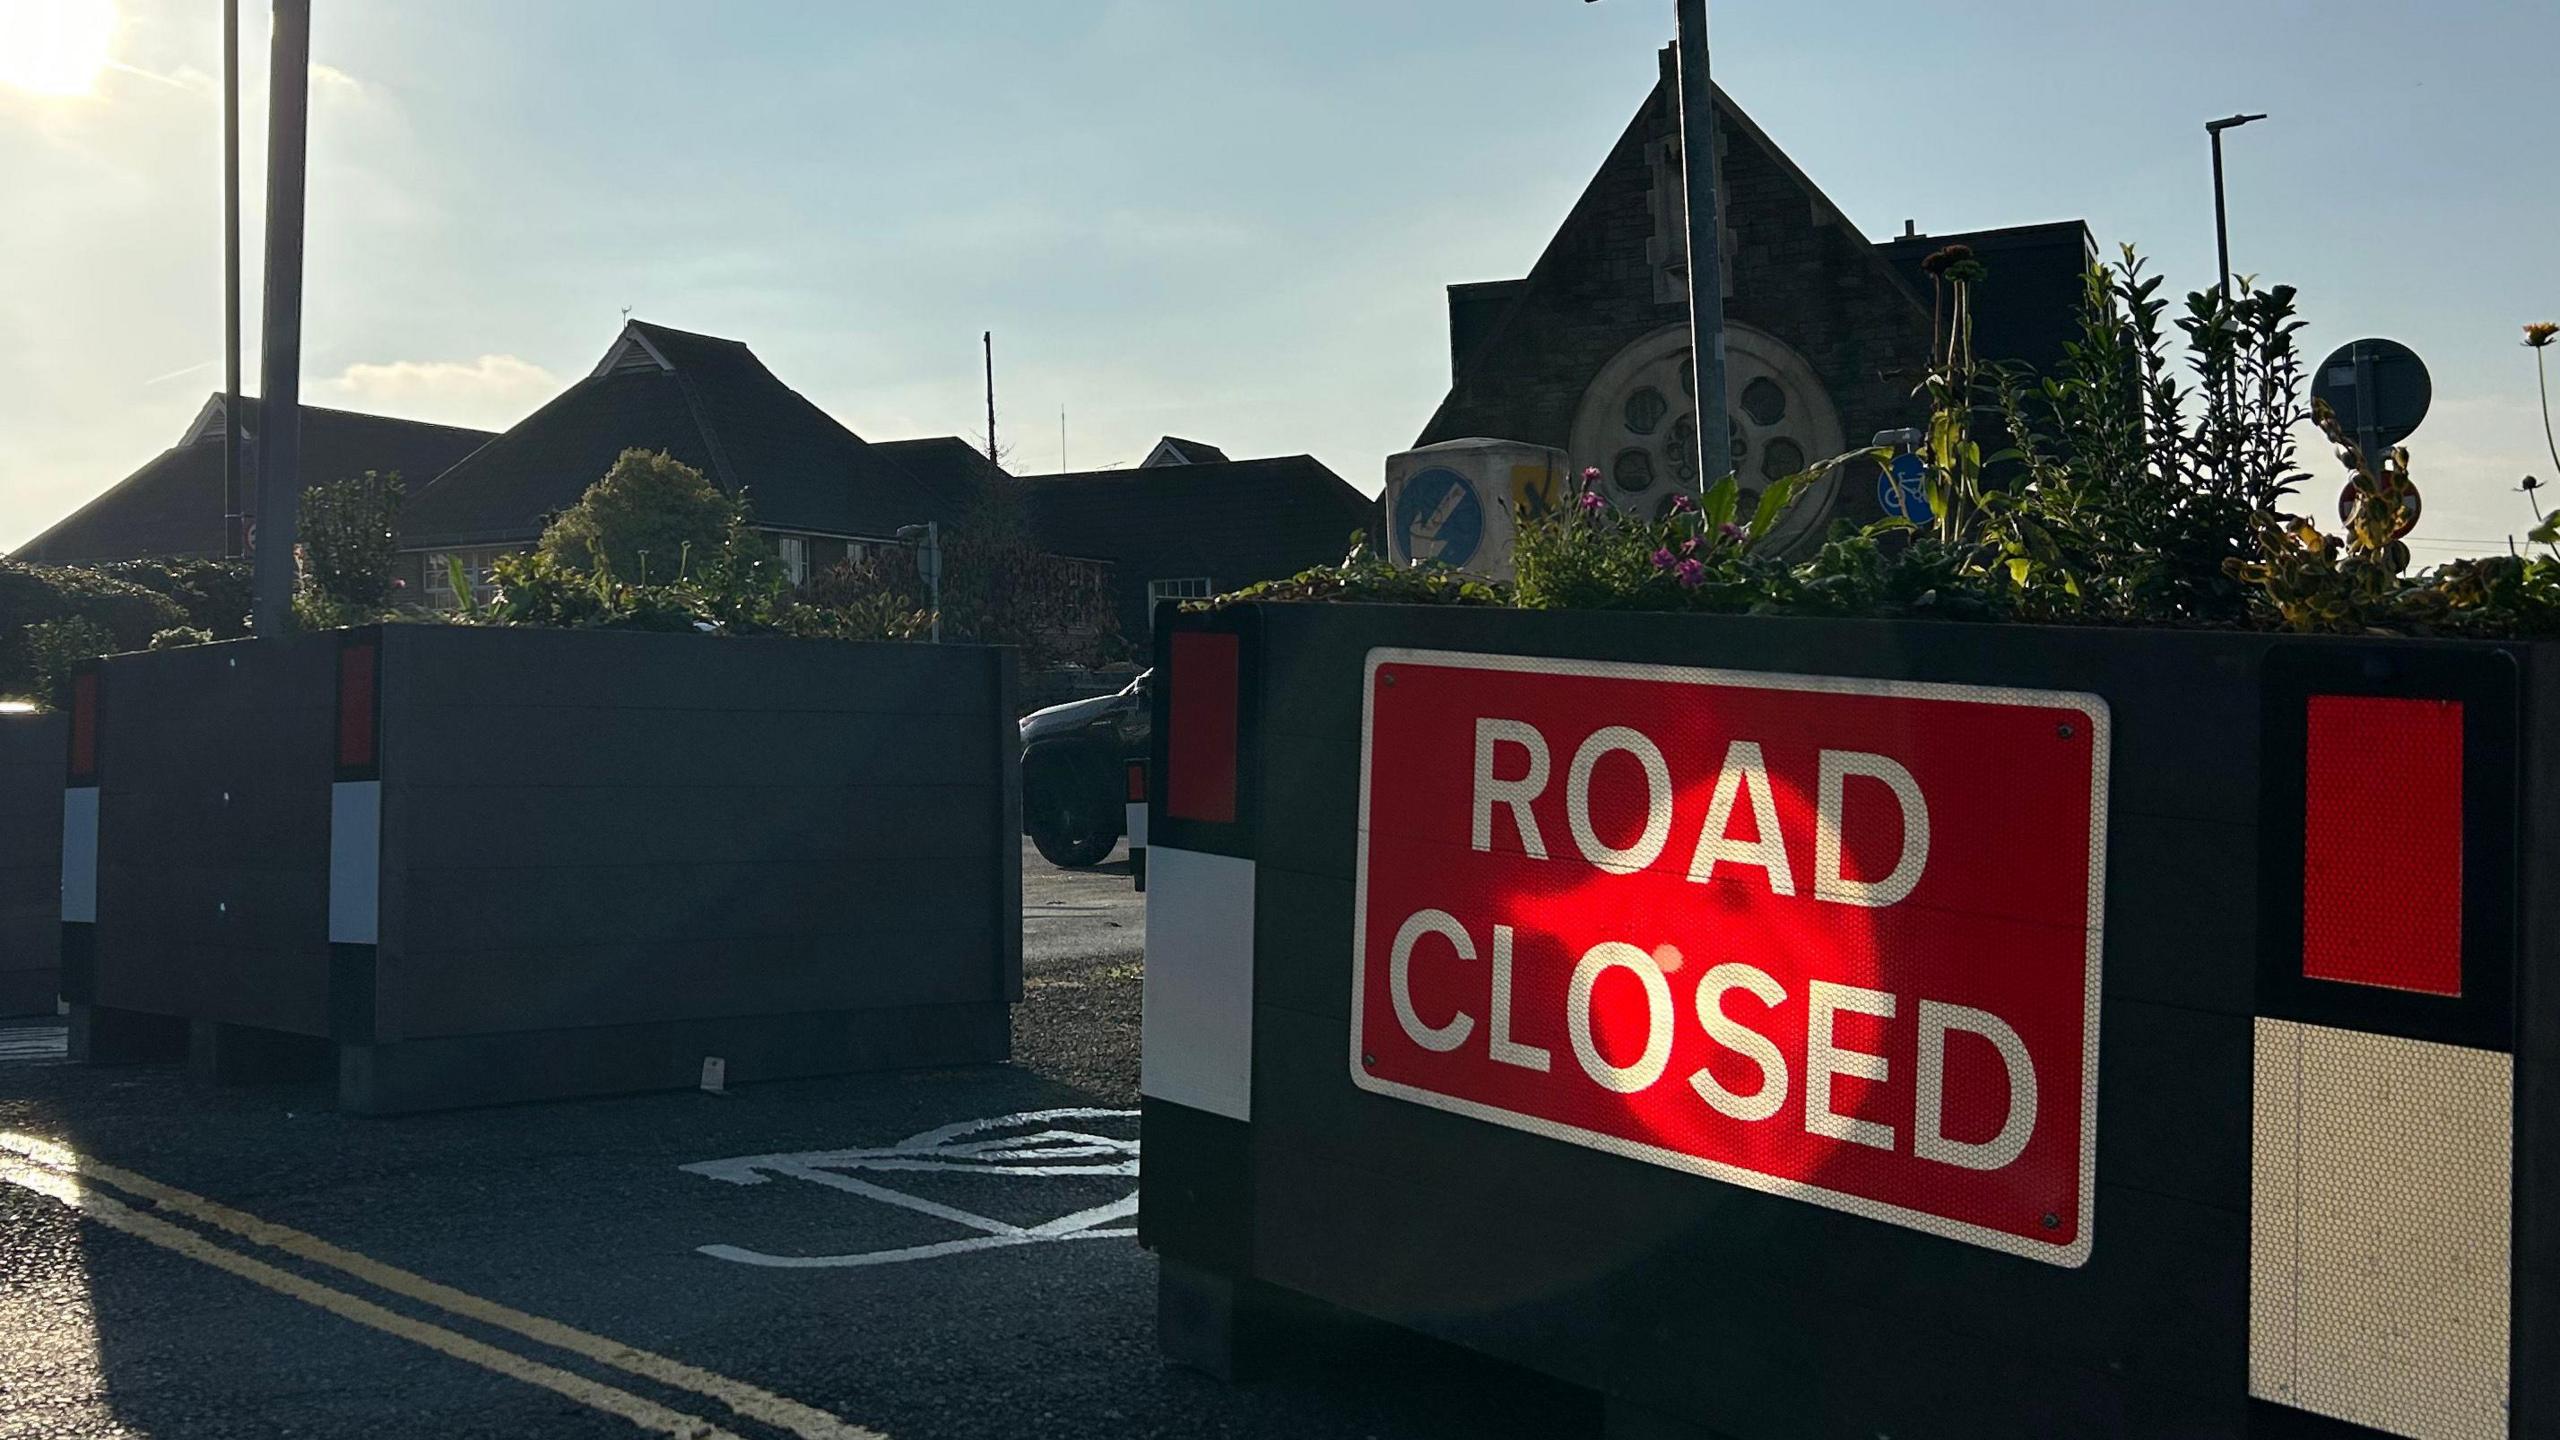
{"x": 1076, "y": 762}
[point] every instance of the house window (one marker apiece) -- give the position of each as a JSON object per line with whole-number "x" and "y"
{"x": 794, "y": 551}
{"x": 1192, "y": 588}
{"x": 475, "y": 565}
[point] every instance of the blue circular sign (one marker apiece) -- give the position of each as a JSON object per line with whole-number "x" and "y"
{"x": 1438, "y": 517}
{"x": 1902, "y": 490}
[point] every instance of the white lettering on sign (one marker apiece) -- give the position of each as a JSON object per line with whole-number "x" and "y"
{"x": 1439, "y": 1038}
{"x": 1743, "y": 779}
{"x": 1647, "y": 1067}
{"x": 1619, "y": 740}
{"x": 1828, "y": 882}
{"x": 1514, "y": 793}
{"x": 1927, "y": 1141}
{"x": 1826, "y": 1055}
{"x": 1742, "y": 1040}
{"x": 1745, "y": 772}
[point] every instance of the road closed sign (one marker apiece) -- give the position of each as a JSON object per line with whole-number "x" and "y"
{"x": 1834, "y": 940}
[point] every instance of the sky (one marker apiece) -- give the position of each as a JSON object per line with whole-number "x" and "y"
{"x": 1227, "y": 219}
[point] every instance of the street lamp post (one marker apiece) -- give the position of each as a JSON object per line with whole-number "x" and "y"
{"x": 1705, "y": 242}
{"x": 2221, "y": 215}
{"x": 280, "y": 343}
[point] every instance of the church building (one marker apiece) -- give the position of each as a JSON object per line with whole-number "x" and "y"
{"x": 1827, "y": 333}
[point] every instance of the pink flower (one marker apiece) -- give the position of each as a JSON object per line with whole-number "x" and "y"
{"x": 1690, "y": 574}
{"x": 1592, "y": 504}
{"x": 1662, "y": 559}
{"x": 1682, "y": 504}
{"x": 1689, "y": 546}
{"x": 1591, "y": 477}
{"x": 1731, "y": 531}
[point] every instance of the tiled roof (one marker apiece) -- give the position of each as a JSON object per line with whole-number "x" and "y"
{"x": 711, "y": 404}
{"x": 1234, "y": 522}
{"x": 173, "y": 505}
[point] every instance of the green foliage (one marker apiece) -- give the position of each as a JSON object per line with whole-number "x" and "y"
{"x": 649, "y": 520}
{"x": 119, "y": 615}
{"x": 57, "y": 647}
{"x": 179, "y": 637}
{"x": 215, "y": 594}
{"x": 1367, "y": 577}
{"x": 348, "y": 536}
{"x": 1593, "y": 556}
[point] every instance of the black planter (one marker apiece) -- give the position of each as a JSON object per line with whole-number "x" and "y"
{"x": 30, "y": 863}
{"x": 2367, "y": 1163}
{"x": 469, "y": 866}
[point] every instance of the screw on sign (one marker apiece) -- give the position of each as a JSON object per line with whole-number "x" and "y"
{"x": 1834, "y": 940}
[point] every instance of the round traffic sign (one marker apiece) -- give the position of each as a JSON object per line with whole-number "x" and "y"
{"x": 2378, "y": 388}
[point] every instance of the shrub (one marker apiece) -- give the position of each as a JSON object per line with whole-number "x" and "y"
{"x": 216, "y": 594}
{"x": 120, "y": 616}
{"x": 180, "y": 637}
{"x": 349, "y": 533}
{"x": 57, "y": 647}
{"x": 650, "y": 519}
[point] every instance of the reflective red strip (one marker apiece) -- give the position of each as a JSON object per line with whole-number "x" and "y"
{"x": 84, "y": 726}
{"x": 1137, "y": 782}
{"x": 2382, "y": 843}
{"x": 356, "y": 663}
{"x": 1200, "y": 750}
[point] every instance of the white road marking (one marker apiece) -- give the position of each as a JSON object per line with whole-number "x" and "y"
{"x": 1045, "y": 1152}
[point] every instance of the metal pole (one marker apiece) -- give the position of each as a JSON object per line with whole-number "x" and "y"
{"x": 933, "y": 554}
{"x": 232, "y": 508}
{"x": 2221, "y": 220}
{"x": 1706, "y": 243}
{"x": 991, "y": 398}
{"x": 280, "y": 341}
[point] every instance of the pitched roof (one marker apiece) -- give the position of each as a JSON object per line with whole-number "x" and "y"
{"x": 173, "y": 505}
{"x": 1234, "y": 522}
{"x": 708, "y": 402}
{"x": 952, "y": 472}
{"x": 1174, "y": 450}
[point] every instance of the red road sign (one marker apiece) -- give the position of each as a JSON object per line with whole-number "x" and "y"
{"x": 1830, "y": 939}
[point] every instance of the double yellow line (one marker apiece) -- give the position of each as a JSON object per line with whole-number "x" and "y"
{"x": 81, "y": 1182}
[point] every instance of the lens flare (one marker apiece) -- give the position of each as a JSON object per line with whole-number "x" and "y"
{"x": 55, "y": 47}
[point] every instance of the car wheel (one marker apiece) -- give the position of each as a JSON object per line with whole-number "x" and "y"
{"x": 1074, "y": 820}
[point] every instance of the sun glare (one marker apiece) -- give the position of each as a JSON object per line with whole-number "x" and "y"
{"x": 55, "y": 47}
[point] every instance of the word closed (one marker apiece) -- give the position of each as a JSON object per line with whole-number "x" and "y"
{"x": 1835, "y": 940}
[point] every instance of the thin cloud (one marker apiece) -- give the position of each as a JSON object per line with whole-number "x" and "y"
{"x": 491, "y": 392}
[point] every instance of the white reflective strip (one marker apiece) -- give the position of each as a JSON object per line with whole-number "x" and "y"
{"x": 1196, "y": 1044}
{"x": 355, "y": 861}
{"x": 2382, "y": 1174}
{"x": 1138, "y": 826}
{"x": 80, "y": 854}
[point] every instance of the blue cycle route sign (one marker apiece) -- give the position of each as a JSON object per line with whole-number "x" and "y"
{"x": 1902, "y": 490}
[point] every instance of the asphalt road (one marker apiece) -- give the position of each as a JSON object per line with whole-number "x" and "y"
{"x": 814, "y": 1285}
